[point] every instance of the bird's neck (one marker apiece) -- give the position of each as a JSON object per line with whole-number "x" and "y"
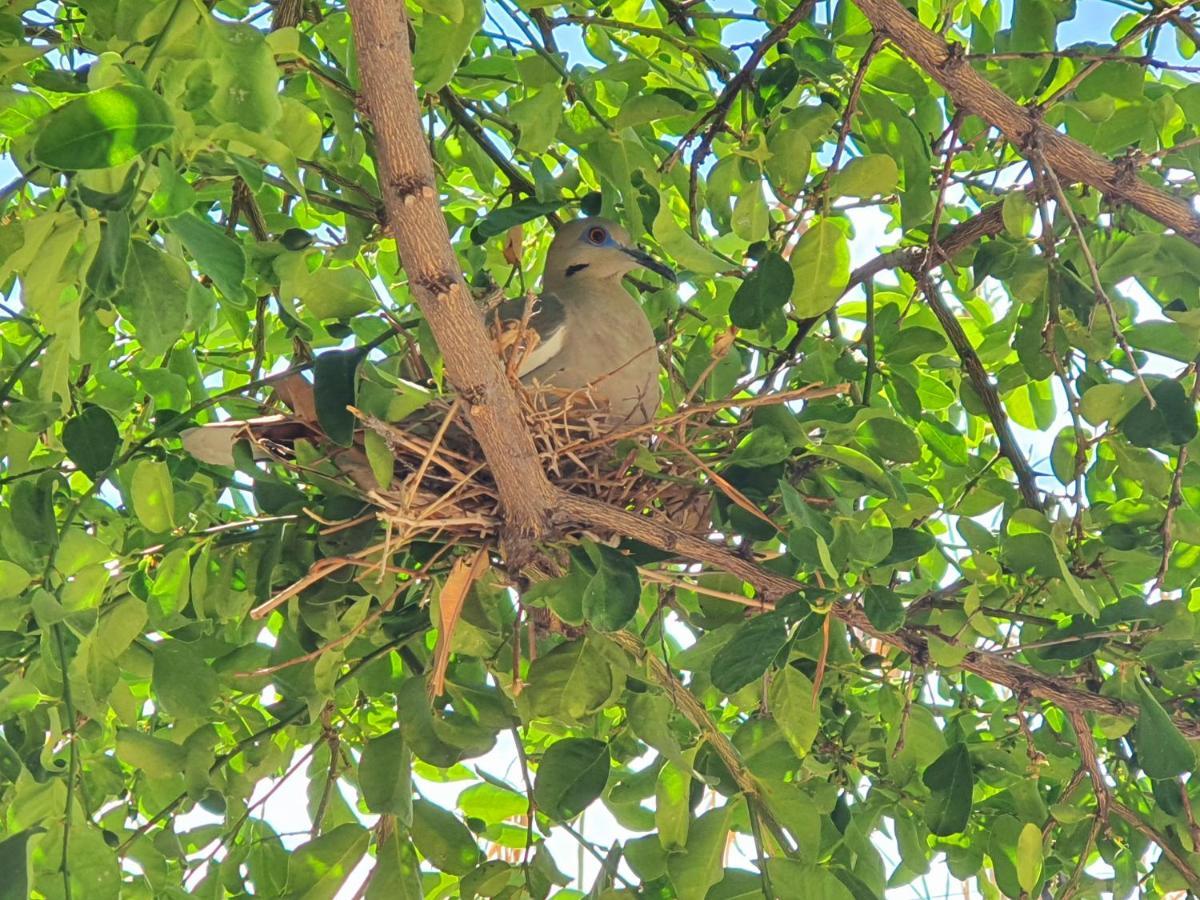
{"x": 580, "y": 284}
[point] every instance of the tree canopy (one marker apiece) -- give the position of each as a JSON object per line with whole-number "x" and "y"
{"x": 905, "y": 577}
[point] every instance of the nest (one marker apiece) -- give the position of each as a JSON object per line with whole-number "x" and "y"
{"x": 441, "y": 489}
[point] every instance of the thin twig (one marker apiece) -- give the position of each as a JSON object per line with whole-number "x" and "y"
{"x": 1175, "y": 498}
{"x": 978, "y": 376}
{"x": 1093, "y": 270}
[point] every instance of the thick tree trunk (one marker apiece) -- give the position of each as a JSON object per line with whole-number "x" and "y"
{"x": 411, "y": 198}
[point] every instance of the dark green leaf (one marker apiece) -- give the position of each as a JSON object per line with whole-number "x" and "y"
{"x": 883, "y": 608}
{"x": 950, "y": 780}
{"x": 1162, "y": 751}
{"x": 443, "y": 839}
{"x": 572, "y": 774}
{"x": 14, "y": 863}
{"x": 107, "y": 271}
{"x": 1172, "y": 420}
{"x": 764, "y": 291}
{"x": 613, "y": 593}
{"x": 91, "y": 439}
{"x": 217, "y": 255}
{"x": 908, "y": 543}
{"x": 385, "y": 776}
{"x": 518, "y": 213}
{"x": 335, "y": 386}
{"x": 749, "y": 652}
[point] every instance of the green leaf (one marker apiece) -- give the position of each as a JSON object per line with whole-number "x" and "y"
{"x": 857, "y": 462}
{"x": 385, "y": 776}
{"x": 105, "y": 128}
{"x": 184, "y": 684}
{"x": 440, "y": 741}
{"x": 1162, "y": 751}
{"x": 441, "y": 45}
{"x": 749, "y": 652}
{"x": 750, "y": 216}
{"x": 153, "y": 495}
{"x": 572, "y": 681}
{"x": 1029, "y": 857}
{"x": 764, "y": 291}
{"x": 884, "y": 608}
{"x": 866, "y": 176}
{"x": 642, "y": 108}
{"x": 158, "y": 758}
{"x": 501, "y": 220}
{"x": 13, "y": 580}
{"x": 572, "y": 774}
{"x": 443, "y": 839}
{"x": 337, "y": 293}
{"x": 90, "y": 440}
{"x": 613, "y": 593}
{"x": 449, "y": 9}
{"x": 537, "y": 118}
{"x": 14, "y": 863}
{"x": 217, "y": 255}
{"x": 698, "y": 867}
{"x": 317, "y": 869}
{"x": 672, "y": 805}
{"x": 791, "y": 155}
{"x": 764, "y": 446}
{"x": 890, "y": 439}
{"x": 335, "y": 387}
{"x": 397, "y": 872}
{"x": 1164, "y": 338}
{"x": 792, "y": 879}
{"x": 246, "y": 81}
{"x": 154, "y": 297}
{"x": 907, "y": 544}
{"x": 820, "y": 264}
{"x": 950, "y": 780}
{"x": 794, "y": 708}
{"x": 107, "y": 271}
{"x": 682, "y": 247}
{"x": 1172, "y": 420}
{"x": 1017, "y": 212}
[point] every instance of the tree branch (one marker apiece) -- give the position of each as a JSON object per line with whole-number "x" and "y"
{"x": 971, "y": 91}
{"x": 410, "y": 196}
{"x": 464, "y": 121}
{"x": 1018, "y": 678}
{"x": 1026, "y": 480}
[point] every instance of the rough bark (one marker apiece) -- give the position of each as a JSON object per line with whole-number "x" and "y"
{"x": 1018, "y": 678}
{"x": 407, "y": 178}
{"x": 970, "y": 91}
{"x": 415, "y": 220}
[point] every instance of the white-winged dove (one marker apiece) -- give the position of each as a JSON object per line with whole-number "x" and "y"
{"x": 592, "y": 335}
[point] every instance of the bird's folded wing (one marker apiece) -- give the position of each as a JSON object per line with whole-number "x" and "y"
{"x": 547, "y": 318}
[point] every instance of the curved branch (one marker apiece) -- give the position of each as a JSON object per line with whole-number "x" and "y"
{"x": 969, "y": 90}
{"x": 1018, "y": 678}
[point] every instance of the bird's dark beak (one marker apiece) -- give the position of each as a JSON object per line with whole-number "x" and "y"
{"x": 646, "y": 261}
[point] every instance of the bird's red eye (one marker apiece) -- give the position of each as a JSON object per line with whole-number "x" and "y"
{"x": 597, "y": 236}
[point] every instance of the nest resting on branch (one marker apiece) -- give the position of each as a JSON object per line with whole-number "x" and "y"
{"x": 440, "y": 489}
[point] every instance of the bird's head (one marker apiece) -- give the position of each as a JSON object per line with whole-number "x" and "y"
{"x": 592, "y": 248}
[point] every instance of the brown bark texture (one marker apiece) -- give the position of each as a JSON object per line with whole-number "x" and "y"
{"x": 1071, "y": 160}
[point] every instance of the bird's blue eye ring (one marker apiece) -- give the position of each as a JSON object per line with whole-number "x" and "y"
{"x": 597, "y": 236}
